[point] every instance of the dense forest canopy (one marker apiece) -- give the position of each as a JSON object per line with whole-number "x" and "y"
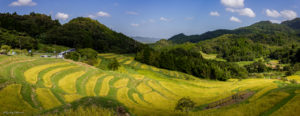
{"x": 264, "y": 31}
{"x": 85, "y": 32}
{"x": 191, "y": 63}
{"x": 33, "y": 24}
{"x": 78, "y": 33}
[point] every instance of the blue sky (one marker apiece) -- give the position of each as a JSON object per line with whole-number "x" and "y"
{"x": 161, "y": 18}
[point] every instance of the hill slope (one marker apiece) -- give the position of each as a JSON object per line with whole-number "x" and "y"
{"x": 47, "y": 84}
{"x": 77, "y": 33}
{"x": 87, "y": 33}
{"x": 263, "y": 32}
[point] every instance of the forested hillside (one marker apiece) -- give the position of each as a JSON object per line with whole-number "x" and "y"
{"x": 263, "y": 32}
{"x": 78, "y": 33}
{"x": 87, "y": 33}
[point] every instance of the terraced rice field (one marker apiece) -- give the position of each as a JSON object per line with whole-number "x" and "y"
{"x": 44, "y": 84}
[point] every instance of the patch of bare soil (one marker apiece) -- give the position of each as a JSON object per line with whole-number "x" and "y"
{"x": 236, "y": 98}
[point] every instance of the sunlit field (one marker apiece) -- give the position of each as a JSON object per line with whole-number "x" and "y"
{"x": 143, "y": 89}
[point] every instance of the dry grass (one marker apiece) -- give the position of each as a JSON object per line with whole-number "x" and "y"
{"x": 11, "y": 101}
{"x": 121, "y": 83}
{"x": 68, "y": 83}
{"x": 289, "y": 109}
{"x": 105, "y": 86}
{"x": 72, "y": 97}
{"x": 48, "y": 75}
{"x": 91, "y": 83}
{"x": 138, "y": 77}
{"x": 88, "y": 111}
{"x": 261, "y": 92}
{"x": 158, "y": 101}
{"x": 129, "y": 61}
{"x": 162, "y": 90}
{"x": 138, "y": 100}
{"x": 253, "y": 108}
{"x": 122, "y": 96}
{"x": 31, "y": 75}
{"x": 46, "y": 97}
{"x": 294, "y": 77}
{"x": 143, "y": 88}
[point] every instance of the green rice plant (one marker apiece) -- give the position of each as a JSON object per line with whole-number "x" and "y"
{"x": 121, "y": 83}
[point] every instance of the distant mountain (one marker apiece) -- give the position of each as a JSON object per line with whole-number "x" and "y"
{"x": 181, "y": 38}
{"x": 294, "y": 24}
{"x": 259, "y": 29}
{"x": 145, "y": 39}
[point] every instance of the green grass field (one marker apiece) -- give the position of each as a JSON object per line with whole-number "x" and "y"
{"x": 36, "y": 86}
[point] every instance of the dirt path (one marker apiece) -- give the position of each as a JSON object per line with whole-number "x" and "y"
{"x": 236, "y": 98}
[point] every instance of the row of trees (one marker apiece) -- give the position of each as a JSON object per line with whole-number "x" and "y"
{"x": 287, "y": 54}
{"x": 192, "y": 63}
{"x": 17, "y": 39}
{"x": 234, "y": 49}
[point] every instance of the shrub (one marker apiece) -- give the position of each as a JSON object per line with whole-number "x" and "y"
{"x": 293, "y": 81}
{"x": 114, "y": 64}
{"x": 88, "y": 53}
{"x": 5, "y": 49}
{"x": 73, "y": 55}
{"x": 185, "y": 104}
{"x": 256, "y": 67}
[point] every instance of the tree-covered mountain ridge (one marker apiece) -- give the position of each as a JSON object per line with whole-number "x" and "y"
{"x": 287, "y": 29}
{"x": 80, "y": 32}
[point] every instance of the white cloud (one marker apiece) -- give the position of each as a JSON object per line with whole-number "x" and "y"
{"x": 135, "y": 24}
{"x": 92, "y": 16}
{"x": 272, "y": 13}
{"x": 132, "y": 13}
{"x": 61, "y": 16}
{"x": 99, "y": 14}
{"x": 23, "y": 3}
{"x": 233, "y": 3}
{"x": 163, "y": 19}
{"x": 275, "y": 21}
{"x": 235, "y": 19}
{"x": 214, "y": 13}
{"x": 244, "y": 12}
{"x": 289, "y": 14}
{"x": 103, "y": 14}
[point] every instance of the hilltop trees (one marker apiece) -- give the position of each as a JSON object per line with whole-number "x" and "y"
{"x": 26, "y": 31}
{"x": 33, "y": 24}
{"x": 113, "y": 65}
{"x": 190, "y": 62}
{"x": 87, "y": 33}
{"x": 17, "y": 39}
{"x": 234, "y": 49}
